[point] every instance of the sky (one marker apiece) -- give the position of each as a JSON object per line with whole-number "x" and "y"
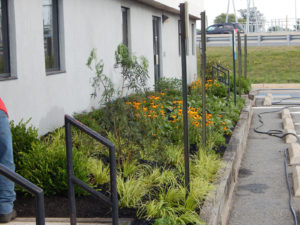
{"x": 272, "y": 9}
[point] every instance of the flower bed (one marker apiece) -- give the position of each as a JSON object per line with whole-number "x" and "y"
{"x": 147, "y": 130}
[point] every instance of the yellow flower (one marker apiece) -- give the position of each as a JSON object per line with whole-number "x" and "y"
{"x": 145, "y": 109}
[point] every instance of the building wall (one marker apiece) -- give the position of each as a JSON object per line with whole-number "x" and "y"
{"x": 84, "y": 25}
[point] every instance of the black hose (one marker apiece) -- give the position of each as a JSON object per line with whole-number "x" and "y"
{"x": 289, "y": 187}
{"x": 280, "y": 134}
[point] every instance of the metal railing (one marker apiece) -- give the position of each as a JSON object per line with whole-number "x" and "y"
{"x": 30, "y": 187}
{"x": 72, "y": 179}
{"x": 255, "y": 39}
{"x": 222, "y": 75}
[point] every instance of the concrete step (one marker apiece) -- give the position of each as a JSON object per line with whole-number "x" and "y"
{"x": 294, "y": 153}
{"x": 66, "y": 221}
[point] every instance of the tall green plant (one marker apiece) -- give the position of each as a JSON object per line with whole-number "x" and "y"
{"x": 100, "y": 79}
{"x": 134, "y": 70}
{"x": 23, "y": 136}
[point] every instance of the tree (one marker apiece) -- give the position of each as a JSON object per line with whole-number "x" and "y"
{"x": 222, "y": 18}
{"x": 256, "y": 18}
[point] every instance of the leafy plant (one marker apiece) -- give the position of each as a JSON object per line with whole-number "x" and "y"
{"x": 134, "y": 70}
{"x": 99, "y": 171}
{"x": 100, "y": 79}
{"x": 23, "y": 137}
{"x": 45, "y": 165}
{"x": 168, "y": 85}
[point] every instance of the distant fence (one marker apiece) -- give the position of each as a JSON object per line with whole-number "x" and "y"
{"x": 255, "y": 39}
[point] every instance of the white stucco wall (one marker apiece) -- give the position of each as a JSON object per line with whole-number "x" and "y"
{"x": 84, "y": 25}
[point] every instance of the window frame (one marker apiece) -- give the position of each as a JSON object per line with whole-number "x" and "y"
{"x": 193, "y": 38}
{"x": 6, "y": 41}
{"x": 126, "y": 27}
{"x": 56, "y": 39}
{"x": 179, "y": 37}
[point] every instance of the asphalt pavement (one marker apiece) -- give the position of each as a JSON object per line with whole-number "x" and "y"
{"x": 261, "y": 195}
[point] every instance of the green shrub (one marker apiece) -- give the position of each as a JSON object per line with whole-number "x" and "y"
{"x": 168, "y": 85}
{"x": 23, "y": 137}
{"x": 45, "y": 164}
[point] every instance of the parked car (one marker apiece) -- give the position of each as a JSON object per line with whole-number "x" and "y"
{"x": 224, "y": 28}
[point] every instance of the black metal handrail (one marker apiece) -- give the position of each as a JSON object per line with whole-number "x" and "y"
{"x": 225, "y": 79}
{"x": 113, "y": 202}
{"x": 30, "y": 187}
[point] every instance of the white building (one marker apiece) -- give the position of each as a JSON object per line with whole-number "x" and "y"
{"x": 62, "y": 33}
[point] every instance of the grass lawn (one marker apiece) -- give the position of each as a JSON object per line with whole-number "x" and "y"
{"x": 265, "y": 64}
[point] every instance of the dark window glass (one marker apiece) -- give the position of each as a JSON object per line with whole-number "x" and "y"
{"x": 193, "y": 39}
{"x": 125, "y": 25}
{"x": 179, "y": 36}
{"x": 179, "y": 40}
{"x": 51, "y": 35}
{"x": 4, "y": 41}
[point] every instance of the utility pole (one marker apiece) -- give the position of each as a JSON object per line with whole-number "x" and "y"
{"x": 296, "y": 15}
{"x": 248, "y": 16}
{"x": 228, "y": 4}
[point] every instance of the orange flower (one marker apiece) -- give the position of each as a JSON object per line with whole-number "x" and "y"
{"x": 145, "y": 109}
{"x": 220, "y": 116}
{"x": 162, "y": 94}
{"x": 225, "y": 128}
{"x": 128, "y": 103}
{"x": 223, "y": 123}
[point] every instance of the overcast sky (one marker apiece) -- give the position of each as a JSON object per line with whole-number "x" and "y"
{"x": 272, "y": 9}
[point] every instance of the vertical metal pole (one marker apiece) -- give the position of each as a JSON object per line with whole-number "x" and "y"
{"x": 40, "y": 209}
{"x": 234, "y": 72}
{"x": 70, "y": 173}
{"x": 240, "y": 62}
{"x": 203, "y": 68}
{"x": 184, "y": 95}
{"x": 245, "y": 56}
{"x": 113, "y": 185}
{"x": 296, "y": 15}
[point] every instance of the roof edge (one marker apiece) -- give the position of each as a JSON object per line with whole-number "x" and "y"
{"x": 164, "y": 7}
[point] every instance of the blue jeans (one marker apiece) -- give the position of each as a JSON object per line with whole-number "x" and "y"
{"x": 7, "y": 193}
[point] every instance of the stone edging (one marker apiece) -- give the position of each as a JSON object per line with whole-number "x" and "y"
{"x": 216, "y": 207}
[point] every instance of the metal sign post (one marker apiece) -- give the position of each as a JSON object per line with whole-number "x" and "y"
{"x": 245, "y": 56}
{"x": 234, "y": 59}
{"x": 203, "y": 68}
{"x": 184, "y": 23}
{"x": 240, "y": 62}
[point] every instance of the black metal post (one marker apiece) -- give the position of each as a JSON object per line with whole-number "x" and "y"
{"x": 184, "y": 94}
{"x": 240, "y": 62}
{"x": 72, "y": 180}
{"x": 32, "y": 188}
{"x": 70, "y": 173}
{"x": 245, "y": 56}
{"x": 203, "y": 68}
{"x": 234, "y": 72}
{"x": 113, "y": 184}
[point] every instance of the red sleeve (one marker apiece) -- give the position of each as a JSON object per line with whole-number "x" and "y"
{"x": 2, "y": 107}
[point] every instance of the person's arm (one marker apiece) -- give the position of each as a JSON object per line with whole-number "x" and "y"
{"x": 2, "y": 107}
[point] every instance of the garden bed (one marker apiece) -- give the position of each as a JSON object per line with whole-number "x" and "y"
{"x": 147, "y": 130}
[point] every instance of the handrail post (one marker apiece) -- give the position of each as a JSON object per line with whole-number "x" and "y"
{"x": 70, "y": 173}
{"x": 113, "y": 183}
{"x": 40, "y": 208}
{"x": 73, "y": 180}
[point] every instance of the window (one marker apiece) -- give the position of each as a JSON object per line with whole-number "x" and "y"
{"x": 179, "y": 36}
{"x": 193, "y": 39}
{"x": 51, "y": 35}
{"x": 179, "y": 40}
{"x": 125, "y": 27}
{"x": 4, "y": 40}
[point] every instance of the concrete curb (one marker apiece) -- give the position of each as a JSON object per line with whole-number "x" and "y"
{"x": 216, "y": 208}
